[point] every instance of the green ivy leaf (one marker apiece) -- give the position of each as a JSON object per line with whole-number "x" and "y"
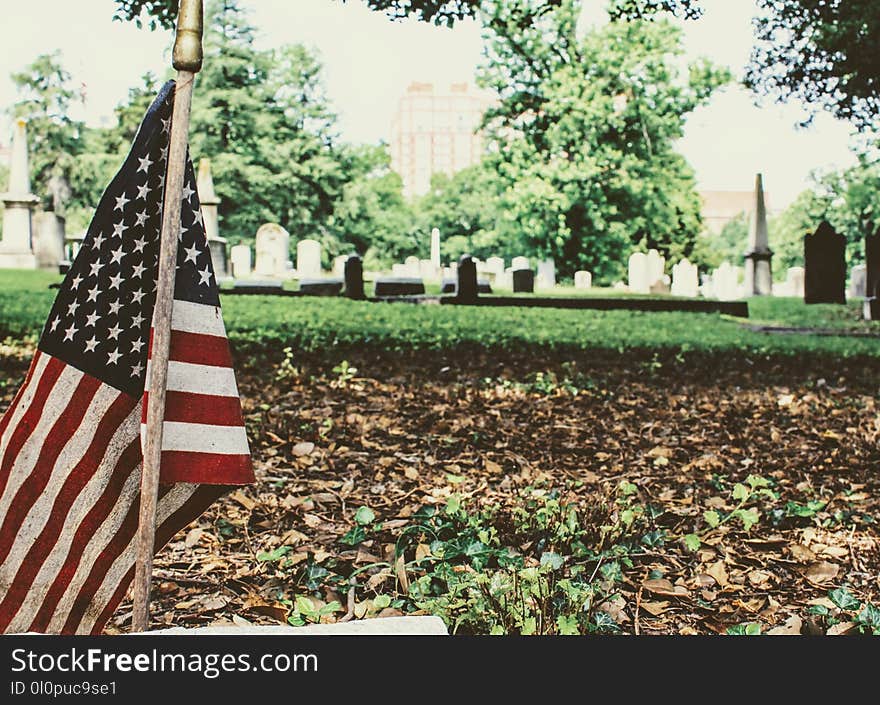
{"x": 554, "y": 560}
{"x": 712, "y": 518}
{"x": 740, "y": 492}
{"x": 380, "y": 602}
{"x": 844, "y": 599}
{"x": 274, "y": 555}
{"x": 749, "y": 517}
{"x": 745, "y": 629}
{"x": 692, "y": 542}
{"x": 869, "y": 617}
{"x": 567, "y": 625}
{"x": 364, "y": 516}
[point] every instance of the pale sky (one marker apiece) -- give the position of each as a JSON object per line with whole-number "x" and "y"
{"x": 369, "y": 61}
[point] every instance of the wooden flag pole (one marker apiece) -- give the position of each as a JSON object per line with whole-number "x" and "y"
{"x": 187, "y": 59}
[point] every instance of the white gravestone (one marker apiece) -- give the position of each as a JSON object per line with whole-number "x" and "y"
{"x": 399, "y": 270}
{"x": 272, "y": 245}
{"x": 339, "y": 265}
{"x": 637, "y": 279}
{"x": 583, "y": 280}
{"x": 656, "y": 267}
{"x": 725, "y": 282}
{"x": 685, "y": 279}
{"x": 308, "y": 258}
{"x": 546, "y": 278}
{"x": 48, "y": 239}
{"x": 858, "y": 286}
{"x": 435, "y": 249}
{"x": 495, "y": 265}
{"x": 240, "y": 256}
{"x": 520, "y": 263}
{"x": 413, "y": 266}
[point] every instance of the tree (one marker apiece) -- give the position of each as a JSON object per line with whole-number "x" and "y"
{"x": 585, "y": 133}
{"x": 54, "y": 139}
{"x": 823, "y": 52}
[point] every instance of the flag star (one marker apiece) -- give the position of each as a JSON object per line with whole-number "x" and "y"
{"x": 93, "y": 293}
{"x": 76, "y": 282}
{"x": 192, "y": 253}
{"x": 137, "y": 321}
{"x": 166, "y": 124}
{"x": 138, "y": 270}
{"x": 139, "y": 244}
{"x": 114, "y": 332}
{"x": 55, "y": 323}
{"x": 71, "y": 310}
{"x": 136, "y": 296}
{"x": 118, "y": 228}
{"x": 121, "y": 201}
{"x": 143, "y": 191}
{"x": 161, "y": 181}
{"x": 115, "y": 306}
{"x": 159, "y": 206}
{"x": 141, "y": 217}
{"x": 155, "y": 284}
{"x": 164, "y": 152}
{"x": 70, "y": 332}
{"x": 115, "y": 281}
{"x": 116, "y": 255}
{"x": 145, "y": 163}
{"x": 205, "y": 276}
{"x": 96, "y": 267}
{"x": 137, "y": 345}
{"x": 92, "y": 319}
{"x": 91, "y": 344}
{"x": 187, "y": 192}
{"x": 98, "y": 241}
{"x": 136, "y": 370}
{"x": 198, "y": 217}
{"x": 113, "y": 357}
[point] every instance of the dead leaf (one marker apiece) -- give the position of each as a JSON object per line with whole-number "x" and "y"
{"x": 821, "y": 572}
{"x": 791, "y": 627}
{"x": 719, "y": 572}
{"x": 304, "y": 448}
{"x": 841, "y": 629}
{"x": 400, "y": 571}
{"x": 655, "y": 608}
{"x": 492, "y": 466}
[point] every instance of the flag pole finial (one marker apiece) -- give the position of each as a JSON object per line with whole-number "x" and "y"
{"x": 187, "y": 54}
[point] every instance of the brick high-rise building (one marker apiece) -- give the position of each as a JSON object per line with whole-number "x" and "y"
{"x": 436, "y": 132}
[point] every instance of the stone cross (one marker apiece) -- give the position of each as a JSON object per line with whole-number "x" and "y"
{"x": 211, "y": 218}
{"x": 16, "y": 247}
{"x": 759, "y": 278}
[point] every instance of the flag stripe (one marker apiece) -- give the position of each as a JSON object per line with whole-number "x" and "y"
{"x": 31, "y": 556}
{"x": 204, "y": 438}
{"x": 200, "y": 500}
{"x": 29, "y": 419}
{"x": 6, "y": 419}
{"x": 197, "y": 318}
{"x": 87, "y": 534}
{"x": 201, "y": 408}
{"x": 200, "y": 379}
{"x": 198, "y": 349}
{"x": 206, "y": 468}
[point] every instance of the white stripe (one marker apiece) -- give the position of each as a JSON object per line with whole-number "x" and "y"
{"x": 200, "y": 379}
{"x": 84, "y": 503}
{"x": 204, "y": 438}
{"x": 24, "y": 402}
{"x": 197, "y": 318}
{"x": 23, "y": 465}
{"x": 102, "y": 536}
{"x": 169, "y": 504}
{"x": 77, "y": 444}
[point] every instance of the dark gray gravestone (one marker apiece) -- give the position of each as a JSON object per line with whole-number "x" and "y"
{"x": 354, "y": 278}
{"x": 398, "y": 286}
{"x": 523, "y": 281}
{"x": 872, "y": 283}
{"x": 448, "y": 286}
{"x": 466, "y": 286}
{"x": 825, "y": 266}
{"x": 270, "y": 286}
{"x": 320, "y": 287}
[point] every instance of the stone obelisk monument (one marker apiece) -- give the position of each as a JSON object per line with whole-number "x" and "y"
{"x": 758, "y": 274}
{"x": 16, "y": 247}
{"x": 435, "y": 249}
{"x": 209, "y": 200}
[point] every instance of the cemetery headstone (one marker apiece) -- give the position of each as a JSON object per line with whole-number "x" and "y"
{"x": 320, "y": 287}
{"x": 825, "y": 266}
{"x": 339, "y": 265}
{"x": 435, "y": 249}
{"x": 466, "y": 289}
{"x": 638, "y": 273}
{"x": 520, "y": 263}
{"x": 794, "y": 277}
{"x": 858, "y": 282}
{"x": 16, "y": 247}
{"x": 210, "y": 203}
{"x": 685, "y": 279}
{"x": 546, "y": 278}
{"x": 523, "y": 281}
{"x": 725, "y": 282}
{"x": 398, "y": 286}
{"x": 656, "y": 264}
{"x": 583, "y": 280}
{"x": 48, "y": 239}
{"x": 240, "y": 258}
{"x": 758, "y": 273}
{"x": 399, "y": 270}
{"x": 272, "y": 245}
{"x": 308, "y": 258}
{"x": 413, "y": 267}
{"x": 354, "y": 278}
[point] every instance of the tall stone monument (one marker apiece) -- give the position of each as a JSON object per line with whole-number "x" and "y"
{"x": 435, "y": 249}
{"x": 758, "y": 276}
{"x": 824, "y": 266}
{"x": 16, "y": 247}
{"x": 210, "y": 202}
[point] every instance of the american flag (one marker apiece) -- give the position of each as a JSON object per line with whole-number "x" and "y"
{"x": 70, "y": 443}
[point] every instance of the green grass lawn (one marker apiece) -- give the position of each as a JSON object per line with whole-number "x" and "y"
{"x": 314, "y": 323}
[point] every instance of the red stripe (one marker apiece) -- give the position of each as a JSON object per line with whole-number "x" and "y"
{"x": 104, "y": 562}
{"x": 198, "y": 349}
{"x": 30, "y": 419}
{"x": 188, "y": 407}
{"x": 65, "y": 426}
{"x": 73, "y": 485}
{"x": 7, "y": 417}
{"x": 190, "y": 510}
{"x": 106, "y": 503}
{"x": 206, "y": 468}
